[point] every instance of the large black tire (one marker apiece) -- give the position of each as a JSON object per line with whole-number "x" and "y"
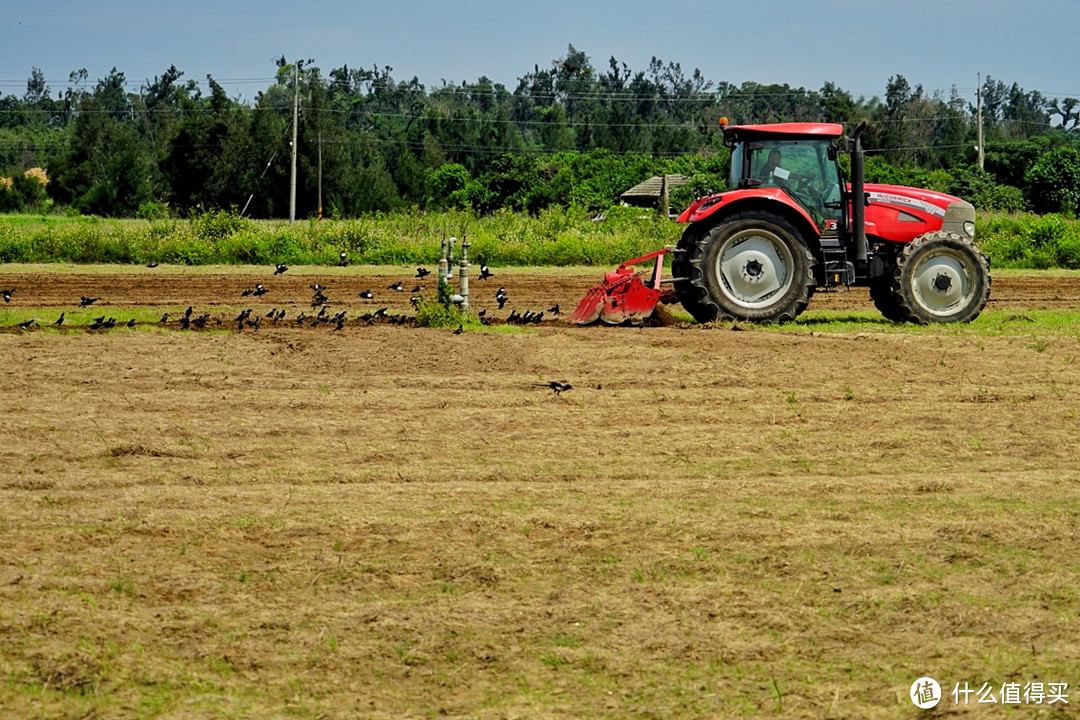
{"x": 941, "y": 277}
{"x": 881, "y": 292}
{"x": 753, "y": 266}
{"x": 688, "y": 294}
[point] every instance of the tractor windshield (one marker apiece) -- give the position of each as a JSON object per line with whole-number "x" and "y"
{"x": 803, "y": 168}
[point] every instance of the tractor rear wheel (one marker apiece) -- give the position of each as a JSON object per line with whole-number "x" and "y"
{"x": 941, "y": 277}
{"x": 753, "y": 266}
{"x": 690, "y": 295}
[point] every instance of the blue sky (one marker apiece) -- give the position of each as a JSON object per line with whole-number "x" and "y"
{"x": 856, "y": 44}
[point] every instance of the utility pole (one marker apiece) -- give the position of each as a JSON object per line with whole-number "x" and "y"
{"x": 320, "y": 174}
{"x": 295, "y": 118}
{"x": 978, "y": 128}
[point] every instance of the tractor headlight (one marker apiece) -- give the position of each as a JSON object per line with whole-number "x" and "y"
{"x": 969, "y": 228}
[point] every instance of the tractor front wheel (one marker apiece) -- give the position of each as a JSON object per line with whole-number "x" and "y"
{"x": 941, "y": 277}
{"x": 753, "y": 266}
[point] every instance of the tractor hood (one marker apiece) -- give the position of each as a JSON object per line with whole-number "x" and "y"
{"x": 929, "y": 202}
{"x": 900, "y": 214}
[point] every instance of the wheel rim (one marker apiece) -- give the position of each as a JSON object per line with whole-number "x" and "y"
{"x": 942, "y": 282}
{"x": 754, "y": 268}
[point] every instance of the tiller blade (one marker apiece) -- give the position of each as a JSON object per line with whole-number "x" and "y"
{"x": 624, "y": 296}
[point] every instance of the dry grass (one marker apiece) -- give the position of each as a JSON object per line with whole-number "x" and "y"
{"x": 390, "y": 522}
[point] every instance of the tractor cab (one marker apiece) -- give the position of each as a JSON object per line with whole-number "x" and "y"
{"x": 786, "y": 156}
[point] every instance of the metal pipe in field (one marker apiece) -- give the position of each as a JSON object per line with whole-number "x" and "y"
{"x": 463, "y": 275}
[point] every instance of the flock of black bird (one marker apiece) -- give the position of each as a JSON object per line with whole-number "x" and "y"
{"x": 320, "y": 314}
{"x": 249, "y": 320}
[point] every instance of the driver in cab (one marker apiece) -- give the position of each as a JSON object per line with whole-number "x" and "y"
{"x": 772, "y": 173}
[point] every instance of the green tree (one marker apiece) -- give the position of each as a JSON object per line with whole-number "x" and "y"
{"x": 1053, "y": 182}
{"x": 106, "y": 169}
{"x": 209, "y": 154}
{"x": 448, "y": 185}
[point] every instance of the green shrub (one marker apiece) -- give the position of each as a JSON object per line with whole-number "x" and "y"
{"x": 1031, "y": 241}
{"x": 153, "y": 211}
{"x": 14, "y": 246}
{"x": 434, "y": 314}
{"x": 218, "y": 224}
{"x": 982, "y": 191}
{"x": 1053, "y": 181}
{"x": 1067, "y": 253}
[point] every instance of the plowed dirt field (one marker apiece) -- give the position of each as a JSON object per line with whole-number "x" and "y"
{"x": 211, "y": 291}
{"x": 398, "y": 522}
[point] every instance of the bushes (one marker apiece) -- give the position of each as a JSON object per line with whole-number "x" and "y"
{"x": 24, "y": 191}
{"x": 1030, "y": 241}
{"x": 980, "y": 189}
{"x": 552, "y": 237}
{"x": 592, "y": 180}
{"x": 1054, "y": 181}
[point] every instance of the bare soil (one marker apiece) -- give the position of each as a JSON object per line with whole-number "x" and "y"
{"x": 397, "y": 522}
{"x": 293, "y": 289}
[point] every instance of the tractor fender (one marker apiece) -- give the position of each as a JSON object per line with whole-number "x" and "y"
{"x": 712, "y": 208}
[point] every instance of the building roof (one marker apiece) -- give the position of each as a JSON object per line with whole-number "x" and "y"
{"x": 648, "y": 192}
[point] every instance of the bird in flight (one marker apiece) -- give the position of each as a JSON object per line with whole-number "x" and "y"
{"x": 501, "y": 297}
{"x": 7, "y": 294}
{"x": 422, "y": 272}
{"x": 278, "y": 269}
{"x": 87, "y": 301}
{"x": 485, "y": 272}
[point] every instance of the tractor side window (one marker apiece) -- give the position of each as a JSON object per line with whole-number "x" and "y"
{"x": 804, "y": 170}
{"x": 767, "y": 164}
{"x": 783, "y": 163}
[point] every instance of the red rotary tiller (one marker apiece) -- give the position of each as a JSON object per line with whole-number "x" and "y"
{"x": 626, "y": 296}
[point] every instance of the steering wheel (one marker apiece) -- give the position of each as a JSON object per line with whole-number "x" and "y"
{"x": 805, "y": 185}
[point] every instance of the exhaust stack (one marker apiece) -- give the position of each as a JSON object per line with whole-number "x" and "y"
{"x": 858, "y": 194}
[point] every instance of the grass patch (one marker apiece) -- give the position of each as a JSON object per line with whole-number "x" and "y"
{"x": 555, "y": 237}
{"x": 990, "y": 323}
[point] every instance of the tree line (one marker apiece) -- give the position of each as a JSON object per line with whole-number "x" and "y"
{"x": 568, "y": 134}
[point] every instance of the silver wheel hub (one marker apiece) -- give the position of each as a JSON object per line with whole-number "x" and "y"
{"x": 942, "y": 282}
{"x": 754, "y": 268}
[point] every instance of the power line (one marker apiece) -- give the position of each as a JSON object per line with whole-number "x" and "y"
{"x": 499, "y": 90}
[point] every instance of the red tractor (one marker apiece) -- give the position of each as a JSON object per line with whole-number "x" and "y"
{"x": 790, "y": 224}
